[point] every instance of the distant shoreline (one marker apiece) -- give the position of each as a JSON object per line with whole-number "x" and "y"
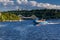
{"x": 9, "y": 20}
{"x": 22, "y": 20}
{"x": 25, "y": 14}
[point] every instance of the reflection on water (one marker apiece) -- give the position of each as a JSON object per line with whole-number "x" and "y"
{"x": 25, "y": 30}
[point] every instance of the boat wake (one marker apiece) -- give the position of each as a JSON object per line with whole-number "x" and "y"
{"x": 44, "y": 23}
{"x": 53, "y": 23}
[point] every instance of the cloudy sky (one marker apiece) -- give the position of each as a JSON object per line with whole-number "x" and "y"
{"x": 28, "y": 4}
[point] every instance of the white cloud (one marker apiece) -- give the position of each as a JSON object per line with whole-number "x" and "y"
{"x": 44, "y": 5}
{"x": 22, "y": 1}
{"x": 33, "y": 3}
{"x": 48, "y": 6}
{"x": 19, "y": 2}
{"x": 30, "y": 3}
{"x": 17, "y": 7}
{"x": 6, "y": 2}
{"x": 41, "y": 5}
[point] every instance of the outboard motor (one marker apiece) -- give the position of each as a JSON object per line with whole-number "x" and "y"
{"x": 34, "y": 21}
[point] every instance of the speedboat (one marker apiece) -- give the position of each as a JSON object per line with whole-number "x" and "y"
{"x": 42, "y": 21}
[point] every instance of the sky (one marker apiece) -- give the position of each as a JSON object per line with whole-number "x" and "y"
{"x": 6, "y": 5}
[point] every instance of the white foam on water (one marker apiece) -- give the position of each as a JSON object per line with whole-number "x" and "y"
{"x": 1, "y": 38}
{"x": 46, "y": 22}
{"x": 30, "y": 25}
{"x": 20, "y": 28}
{"x": 53, "y": 23}
{"x": 1, "y": 25}
{"x": 21, "y": 20}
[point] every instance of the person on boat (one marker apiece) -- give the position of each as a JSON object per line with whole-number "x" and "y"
{"x": 42, "y": 20}
{"x": 34, "y": 21}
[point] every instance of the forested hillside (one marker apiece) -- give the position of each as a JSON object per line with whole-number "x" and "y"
{"x": 43, "y": 13}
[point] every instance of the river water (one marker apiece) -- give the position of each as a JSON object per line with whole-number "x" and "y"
{"x": 26, "y": 30}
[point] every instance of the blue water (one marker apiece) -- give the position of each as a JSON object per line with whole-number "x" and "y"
{"x": 25, "y": 30}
